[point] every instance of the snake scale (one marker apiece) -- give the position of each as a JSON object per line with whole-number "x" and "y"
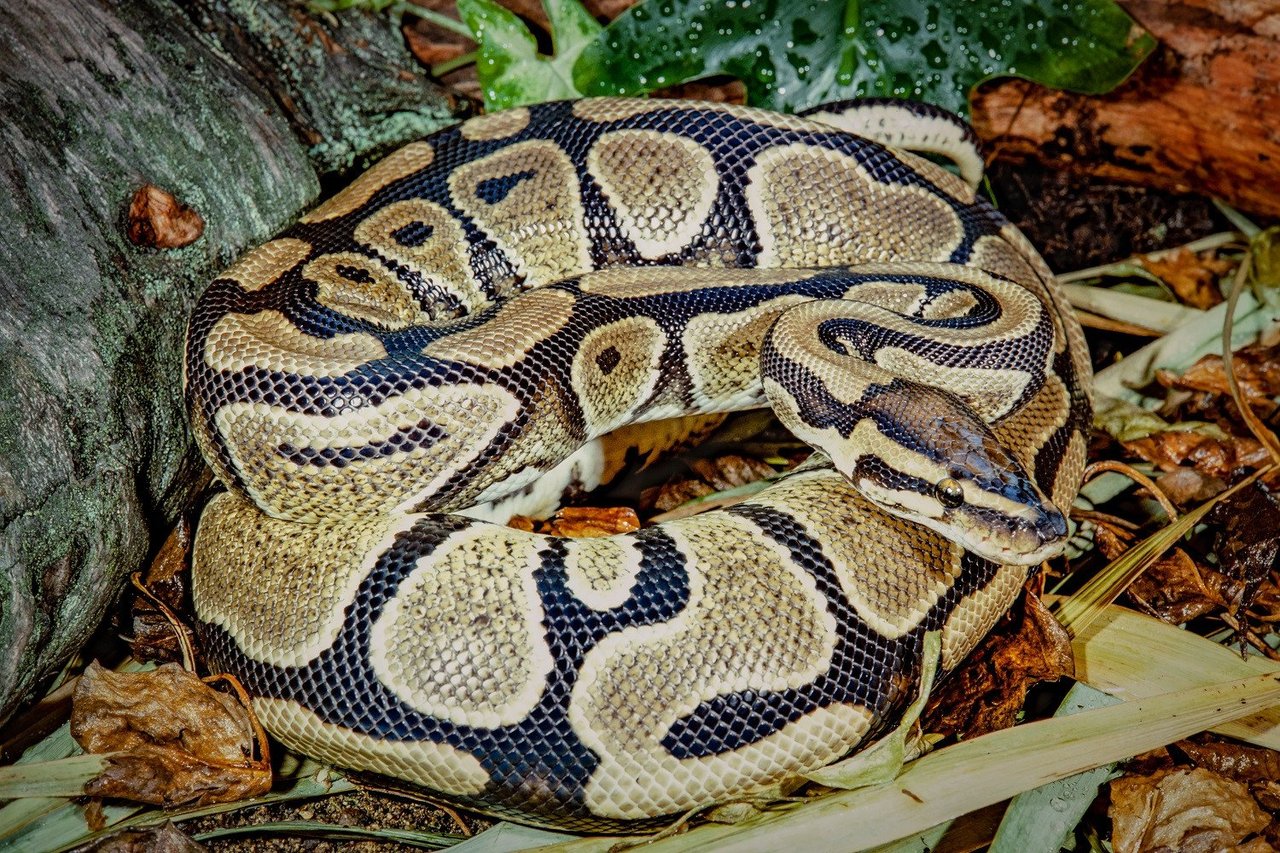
{"x": 460, "y": 332}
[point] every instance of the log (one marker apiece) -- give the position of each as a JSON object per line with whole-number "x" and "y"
{"x": 159, "y": 120}
{"x": 1199, "y": 116}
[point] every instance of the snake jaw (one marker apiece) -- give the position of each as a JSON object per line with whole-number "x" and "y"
{"x": 1026, "y": 539}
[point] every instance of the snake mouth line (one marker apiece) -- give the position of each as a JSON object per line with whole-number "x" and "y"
{"x": 1025, "y": 542}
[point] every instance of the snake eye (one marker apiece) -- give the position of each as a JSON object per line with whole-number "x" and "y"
{"x": 949, "y": 492}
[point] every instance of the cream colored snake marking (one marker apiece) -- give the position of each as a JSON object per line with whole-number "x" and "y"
{"x": 464, "y": 325}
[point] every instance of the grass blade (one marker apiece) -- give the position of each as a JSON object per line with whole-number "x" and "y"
{"x": 1040, "y": 819}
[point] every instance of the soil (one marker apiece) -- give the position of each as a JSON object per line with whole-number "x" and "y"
{"x": 1079, "y": 222}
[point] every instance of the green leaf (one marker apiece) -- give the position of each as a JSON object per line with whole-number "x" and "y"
{"x": 511, "y": 70}
{"x": 65, "y": 777}
{"x": 792, "y": 55}
{"x": 782, "y": 50}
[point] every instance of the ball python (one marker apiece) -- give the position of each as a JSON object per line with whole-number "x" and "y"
{"x": 480, "y": 312}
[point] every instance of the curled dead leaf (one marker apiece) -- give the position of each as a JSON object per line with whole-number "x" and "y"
{"x": 1257, "y": 370}
{"x": 157, "y": 220}
{"x": 430, "y": 43}
{"x": 668, "y": 496}
{"x": 1183, "y": 809}
{"x": 1193, "y": 278}
{"x": 1211, "y": 456}
{"x": 1266, "y": 602}
{"x": 730, "y": 470}
{"x": 165, "y": 838}
{"x": 1233, "y": 760}
{"x": 988, "y": 690}
{"x": 1267, "y": 793}
{"x": 1177, "y": 589}
{"x": 1248, "y": 541}
{"x": 1112, "y": 534}
{"x": 1187, "y": 486}
{"x": 711, "y": 475}
{"x": 717, "y": 90}
{"x": 156, "y": 634}
{"x": 171, "y": 738}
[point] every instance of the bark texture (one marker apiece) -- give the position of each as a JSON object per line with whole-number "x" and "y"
{"x": 1199, "y": 116}
{"x": 231, "y": 107}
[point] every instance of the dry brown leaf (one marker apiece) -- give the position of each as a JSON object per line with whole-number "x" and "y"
{"x": 1192, "y": 278}
{"x": 988, "y": 690}
{"x": 1233, "y": 760}
{"x": 95, "y": 817}
{"x": 1257, "y": 370}
{"x": 711, "y": 475}
{"x": 432, "y": 44}
{"x": 1267, "y": 793}
{"x": 1191, "y": 810}
{"x": 1248, "y": 540}
{"x": 1110, "y": 536}
{"x": 165, "y": 838}
{"x": 727, "y": 92}
{"x": 1176, "y": 589}
{"x": 608, "y": 9}
{"x": 1266, "y": 603}
{"x": 730, "y": 471}
{"x": 157, "y": 220}
{"x": 668, "y": 496}
{"x": 1211, "y": 456}
{"x": 154, "y": 636}
{"x": 1187, "y": 486}
{"x": 172, "y": 739}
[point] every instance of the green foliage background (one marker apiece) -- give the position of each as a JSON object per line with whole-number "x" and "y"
{"x": 792, "y": 55}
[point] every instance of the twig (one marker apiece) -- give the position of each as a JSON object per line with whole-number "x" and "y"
{"x": 1264, "y": 436}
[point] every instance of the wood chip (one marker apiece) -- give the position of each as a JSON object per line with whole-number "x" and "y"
{"x": 157, "y": 220}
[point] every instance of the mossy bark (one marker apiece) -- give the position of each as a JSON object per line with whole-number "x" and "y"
{"x": 234, "y": 108}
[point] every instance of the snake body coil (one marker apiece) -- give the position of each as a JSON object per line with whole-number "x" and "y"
{"x": 471, "y": 319}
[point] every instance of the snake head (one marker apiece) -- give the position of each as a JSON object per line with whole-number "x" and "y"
{"x": 922, "y": 454}
{"x": 956, "y": 478}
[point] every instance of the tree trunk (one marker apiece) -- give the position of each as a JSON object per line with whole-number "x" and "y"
{"x": 233, "y": 108}
{"x": 1198, "y": 116}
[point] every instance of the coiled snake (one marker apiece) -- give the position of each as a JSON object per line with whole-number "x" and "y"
{"x": 464, "y": 323}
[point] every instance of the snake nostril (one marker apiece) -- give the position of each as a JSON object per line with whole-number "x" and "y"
{"x": 1052, "y": 525}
